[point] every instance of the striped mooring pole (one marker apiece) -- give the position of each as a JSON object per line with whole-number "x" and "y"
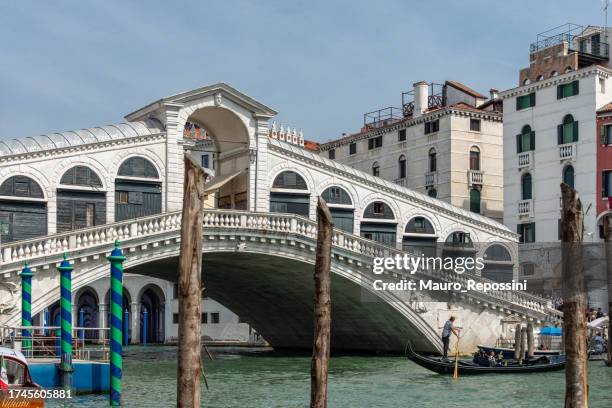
{"x": 66, "y": 368}
{"x": 26, "y": 306}
{"x": 116, "y": 259}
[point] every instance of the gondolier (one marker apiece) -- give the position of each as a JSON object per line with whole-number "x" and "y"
{"x": 448, "y": 329}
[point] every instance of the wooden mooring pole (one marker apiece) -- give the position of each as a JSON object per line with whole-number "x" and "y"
{"x": 189, "y": 289}
{"x": 607, "y": 224}
{"x": 574, "y": 300}
{"x": 322, "y": 308}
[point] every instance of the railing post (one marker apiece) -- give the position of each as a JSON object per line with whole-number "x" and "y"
{"x": 293, "y": 225}
{"x": 26, "y": 305}
{"x": 134, "y": 229}
{"x": 7, "y": 255}
{"x": 66, "y": 368}
{"x": 116, "y": 260}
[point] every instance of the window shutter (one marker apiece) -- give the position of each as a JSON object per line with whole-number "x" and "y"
{"x": 575, "y": 124}
{"x": 604, "y": 184}
{"x": 532, "y": 99}
{"x": 559, "y": 91}
{"x": 518, "y": 104}
{"x": 560, "y": 134}
{"x": 533, "y": 140}
{"x": 518, "y": 144}
{"x": 575, "y": 86}
{"x": 603, "y": 138}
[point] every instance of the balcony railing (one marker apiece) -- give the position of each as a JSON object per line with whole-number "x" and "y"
{"x": 525, "y": 207}
{"x": 567, "y": 151}
{"x": 475, "y": 177}
{"x": 400, "y": 181}
{"x": 431, "y": 178}
{"x": 525, "y": 159}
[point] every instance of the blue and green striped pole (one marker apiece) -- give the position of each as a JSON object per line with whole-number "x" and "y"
{"x": 116, "y": 259}
{"x": 26, "y": 305}
{"x": 66, "y": 368}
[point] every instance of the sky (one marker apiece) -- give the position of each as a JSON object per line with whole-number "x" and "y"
{"x": 321, "y": 64}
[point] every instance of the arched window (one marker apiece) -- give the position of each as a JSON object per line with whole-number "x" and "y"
{"x": 540, "y": 77}
{"x": 378, "y": 210}
{"x": 432, "y": 192}
{"x": 376, "y": 169}
{"x": 22, "y": 217}
{"x": 80, "y": 208}
{"x": 336, "y": 195}
{"x": 81, "y": 176}
{"x": 21, "y": 186}
{"x": 419, "y": 237}
{"x": 138, "y": 167}
{"x": 568, "y": 69}
{"x": 554, "y": 74}
{"x": 474, "y": 158}
{"x": 340, "y": 207}
{"x": 292, "y": 202}
{"x": 378, "y": 223}
{"x": 433, "y": 165}
{"x": 526, "y": 193}
{"x": 526, "y": 140}
{"x": 402, "y": 166}
{"x": 526, "y": 81}
{"x": 567, "y": 131}
{"x": 290, "y": 180}
{"x": 568, "y": 176}
{"x": 475, "y": 200}
{"x": 498, "y": 265}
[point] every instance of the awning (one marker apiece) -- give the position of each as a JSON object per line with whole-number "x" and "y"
{"x": 219, "y": 181}
{"x": 601, "y": 322}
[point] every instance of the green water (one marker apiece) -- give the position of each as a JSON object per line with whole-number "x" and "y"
{"x": 271, "y": 380}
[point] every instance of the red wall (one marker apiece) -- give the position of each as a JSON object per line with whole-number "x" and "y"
{"x": 604, "y": 161}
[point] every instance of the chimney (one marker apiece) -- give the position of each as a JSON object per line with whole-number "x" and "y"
{"x": 420, "y": 98}
{"x": 493, "y": 93}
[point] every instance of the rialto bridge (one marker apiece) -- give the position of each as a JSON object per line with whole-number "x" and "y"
{"x": 76, "y": 192}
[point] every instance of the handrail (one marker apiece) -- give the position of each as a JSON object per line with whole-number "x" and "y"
{"x": 234, "y": 219}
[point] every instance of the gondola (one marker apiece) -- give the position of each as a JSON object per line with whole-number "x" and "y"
{"x": 440, "y": 366}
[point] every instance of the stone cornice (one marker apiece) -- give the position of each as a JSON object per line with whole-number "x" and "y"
{"x": 84, "y": 148}
{"x": 597, "y": 70}
{"x": 427, "y": 117}
{"x": 393, "y": 189}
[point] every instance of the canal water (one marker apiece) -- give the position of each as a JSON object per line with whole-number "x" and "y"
{"x": 269, "y": 380}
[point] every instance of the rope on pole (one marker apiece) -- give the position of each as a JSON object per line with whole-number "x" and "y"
{"x": 66, "y": 368}
{"x": 26, "y": 305}
{"x": 116, "y": 260}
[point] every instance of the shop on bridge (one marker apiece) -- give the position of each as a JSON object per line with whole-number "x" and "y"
{"x": 341, "y": 207}
{"x": 379, "y": 223}
{"x": 81, "y": 201}
{"x": 138, "y": 189}
{"x": 23, "y": 209}
{"x": 289, "y": 194}
{"x": 420, "y": 237}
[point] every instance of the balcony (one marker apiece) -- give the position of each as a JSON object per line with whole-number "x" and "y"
{"x": 475, "y": 177}
{"x": 567, "y": 151}
{"x": 431, "y": 178}
{"x": 525, "y": 160}
{"x": 401, "y": 182}
{"x": 586, "y": 41}
{"x": 525, "y": 207}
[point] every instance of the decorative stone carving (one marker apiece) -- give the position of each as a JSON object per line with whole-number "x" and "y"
{"x": 8, "y": 294}
{"x": 218, "y": 99}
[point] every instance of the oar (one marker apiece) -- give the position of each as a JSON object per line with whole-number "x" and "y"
{"x": 456, "y": 373}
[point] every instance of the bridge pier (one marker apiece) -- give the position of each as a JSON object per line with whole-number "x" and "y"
{"x": 135, "y": 321}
